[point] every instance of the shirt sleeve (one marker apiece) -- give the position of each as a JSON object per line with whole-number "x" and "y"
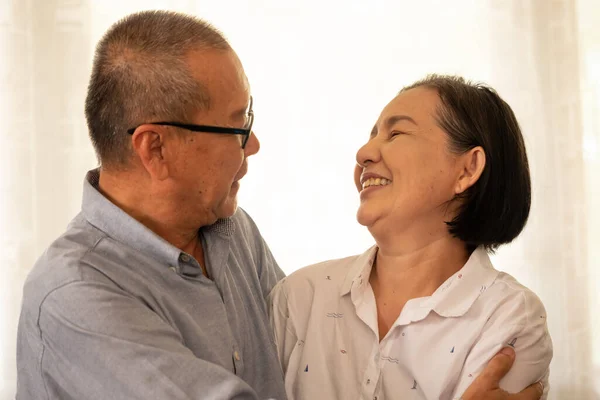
{"x": 283, "y": 327}
{"x": 520, "y": 322}
{"x": 101, "y": 343}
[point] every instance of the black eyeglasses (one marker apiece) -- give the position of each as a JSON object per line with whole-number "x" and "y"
{"x": 245, "y": 132}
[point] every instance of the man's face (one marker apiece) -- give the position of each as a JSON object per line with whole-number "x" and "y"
{"x": 207, "y": 168}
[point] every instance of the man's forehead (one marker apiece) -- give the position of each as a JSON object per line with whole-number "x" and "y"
{"x": 218, "y": 66}
{"x": 221, "y": 74}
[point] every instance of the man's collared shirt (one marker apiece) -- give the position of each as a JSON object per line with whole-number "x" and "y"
{"x": 113, "y": 311}
{"x": 325, "y": 322}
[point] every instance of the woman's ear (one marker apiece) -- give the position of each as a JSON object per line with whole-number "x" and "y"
{"x": 472, "y": 165}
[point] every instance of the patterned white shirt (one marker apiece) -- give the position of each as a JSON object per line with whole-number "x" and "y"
{"x": 325, "y": 322}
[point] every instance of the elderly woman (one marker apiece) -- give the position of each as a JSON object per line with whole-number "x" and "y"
{"x": 443, "y": 181}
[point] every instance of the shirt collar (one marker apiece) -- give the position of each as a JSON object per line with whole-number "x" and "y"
{"x": 120, "y": 226}
{"x": 456, "y": 296}
{"x": 452, "y": 299}
{"x": 359, "y": 271}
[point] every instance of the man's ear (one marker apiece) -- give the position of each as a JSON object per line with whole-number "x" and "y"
{"x": 148, "y": 142}
{"x": 472, "y": 164}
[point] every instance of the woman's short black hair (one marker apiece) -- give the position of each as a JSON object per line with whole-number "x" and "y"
{"x": 495, "y": 209}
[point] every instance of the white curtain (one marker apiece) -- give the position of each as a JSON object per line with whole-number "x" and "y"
{"x": 320, "y": 72}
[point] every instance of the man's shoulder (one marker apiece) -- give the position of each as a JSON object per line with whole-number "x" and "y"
{"x": 63, "y": 261}
{"x": 244, "y": 232}
{"x": 243, "y": 222}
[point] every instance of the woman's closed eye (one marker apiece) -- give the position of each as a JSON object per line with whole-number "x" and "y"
{"x": 396, "y": 133}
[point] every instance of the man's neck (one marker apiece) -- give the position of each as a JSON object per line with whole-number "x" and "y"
{"x": 156, "y": 211}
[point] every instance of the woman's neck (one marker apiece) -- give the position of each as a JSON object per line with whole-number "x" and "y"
{"x": 419, "y": 269}
{"x": 401, "y": 274}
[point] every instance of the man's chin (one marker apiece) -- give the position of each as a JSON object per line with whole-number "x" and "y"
{"x": 228, "y": 209}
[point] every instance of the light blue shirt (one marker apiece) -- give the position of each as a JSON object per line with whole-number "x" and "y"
{"x": 113, "y": 311}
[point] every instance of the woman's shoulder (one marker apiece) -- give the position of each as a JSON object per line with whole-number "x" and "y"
{"x": 336, "y": 268}
{"x": 510, "y": 299}
{"x": 329, "y": 276}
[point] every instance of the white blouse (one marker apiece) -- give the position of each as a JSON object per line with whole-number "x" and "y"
{"x": 325, "y": 321}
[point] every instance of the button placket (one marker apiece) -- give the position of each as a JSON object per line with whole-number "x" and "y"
{"x": 371, "y": 374}
{"x": 238, "y": 362}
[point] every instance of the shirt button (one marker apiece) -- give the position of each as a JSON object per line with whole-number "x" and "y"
{"x": 173, "y": 269}
{"x": 184, "y": 258}
{"x": 375, "y": 398}
{"x": 236, "y": 355}
{"x": 368, "y": 381}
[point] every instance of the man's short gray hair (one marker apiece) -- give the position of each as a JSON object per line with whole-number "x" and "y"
{"x": 140, "y": 75}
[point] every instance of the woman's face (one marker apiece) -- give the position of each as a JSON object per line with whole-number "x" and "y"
{"x": 406, "y": 174}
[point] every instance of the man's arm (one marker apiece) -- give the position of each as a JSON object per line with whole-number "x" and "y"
{"x": 282, "y": 325}
{"x": 101, "y": 343}
{"x": 487, "y": 385}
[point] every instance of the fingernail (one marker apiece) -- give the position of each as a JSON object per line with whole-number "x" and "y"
{"x": 508, "y": 351}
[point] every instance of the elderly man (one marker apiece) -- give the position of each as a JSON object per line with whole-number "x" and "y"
{"x": 157, "y": 288}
